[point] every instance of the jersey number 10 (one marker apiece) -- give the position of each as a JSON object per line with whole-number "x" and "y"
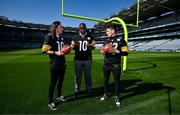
{"x": 83, "y": 45}
{"x": 60, "y": 45}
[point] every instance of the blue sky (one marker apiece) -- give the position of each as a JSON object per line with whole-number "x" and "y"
{"x": 47, "y": 11}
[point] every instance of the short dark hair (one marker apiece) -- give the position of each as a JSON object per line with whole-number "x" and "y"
{"x": 111, "y": 26}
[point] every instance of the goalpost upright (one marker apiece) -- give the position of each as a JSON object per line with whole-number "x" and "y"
{"x": 114, "y": 20}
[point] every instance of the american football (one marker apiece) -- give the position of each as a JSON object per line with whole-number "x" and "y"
{"x": 107, "y": 48}
{"x": 66, "y": 49}
{"x": 77, "y": 43}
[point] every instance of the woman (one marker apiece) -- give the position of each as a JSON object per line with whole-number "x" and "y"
{"x": 52, "y": 46}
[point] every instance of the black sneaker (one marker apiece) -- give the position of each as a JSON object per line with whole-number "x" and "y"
{"x": 90, "y": 93}
{"x": 52, "y": 106}
{"x": 76, "y": 94}
{"x": 117, "y": 101}
{"x": 60, "y": 98}
{"x": 104, "y": 97}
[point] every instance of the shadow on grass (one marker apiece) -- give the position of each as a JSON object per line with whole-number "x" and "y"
{"x": 132, "y": 87}
{"x": 151, "y": 65}
{"x": 129, "y": 88}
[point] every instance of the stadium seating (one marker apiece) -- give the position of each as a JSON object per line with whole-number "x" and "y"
{"x": 158, "y": 34}
{"x": 159, "y": 28}
{"x": 171, "y": 45}
{"x": 19, "y": 35}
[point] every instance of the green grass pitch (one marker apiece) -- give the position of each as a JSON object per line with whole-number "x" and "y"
{"x": 149, "y": 86}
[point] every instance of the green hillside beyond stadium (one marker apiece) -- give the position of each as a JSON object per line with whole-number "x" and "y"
{"x": 150, "y": 85}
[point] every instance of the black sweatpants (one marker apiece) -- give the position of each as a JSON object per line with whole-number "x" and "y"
{"x": 116, "y": 70}
{"x": 57, "y": 77}
{"x": 80, "y": 67}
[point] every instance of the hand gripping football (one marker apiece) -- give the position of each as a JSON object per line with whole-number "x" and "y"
{"x": 107, "y": 48}
{"x": 77, "y": 43}
{"x": 66, "y": 49}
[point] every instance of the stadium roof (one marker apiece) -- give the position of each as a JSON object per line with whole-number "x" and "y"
{"x": 149, "y": 9}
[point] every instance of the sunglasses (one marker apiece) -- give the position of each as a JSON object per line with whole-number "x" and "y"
{"x": 82, "y": 28}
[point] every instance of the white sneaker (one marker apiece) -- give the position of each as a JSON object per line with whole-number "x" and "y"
{"x": 117, "y": 101}
{"x": 61, "y": 98}
{"x": 104, "y": 97}
{"x": 52, "y": 106}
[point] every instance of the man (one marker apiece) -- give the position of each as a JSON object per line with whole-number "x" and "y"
{"x": 112, "y": 61}
{"x": 83, "y": 43}
{"x": 52, "y": 46}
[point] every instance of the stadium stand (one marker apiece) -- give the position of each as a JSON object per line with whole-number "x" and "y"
{"x": 19, "y": 35}
{"x": 159, "y": 26}
{"x": 171, "y": 45}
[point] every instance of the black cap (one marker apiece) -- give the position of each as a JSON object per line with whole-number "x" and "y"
{"x": 82, "y": 26}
